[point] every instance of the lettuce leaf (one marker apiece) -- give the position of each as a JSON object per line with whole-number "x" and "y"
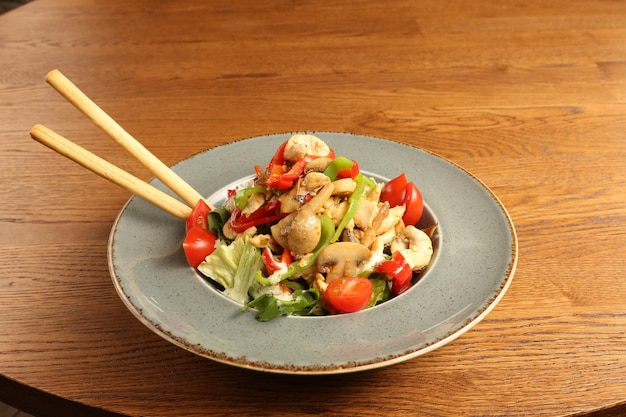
{"x": 233, "y": 266}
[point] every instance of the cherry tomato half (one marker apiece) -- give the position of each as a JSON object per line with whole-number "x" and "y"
{"x": 198, "y": 244}
{"x": 198, "y": 216}
{"x": 393, "y": 191}
{"x": 414, "y": 205}
{"x": 398, "y": 192}
{"x": 348, "y": 294}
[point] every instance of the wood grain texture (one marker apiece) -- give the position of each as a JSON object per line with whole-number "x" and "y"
{"x": 528, "y": 96}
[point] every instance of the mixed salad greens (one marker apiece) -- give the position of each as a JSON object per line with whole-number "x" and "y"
{"x": 311, "y": 235}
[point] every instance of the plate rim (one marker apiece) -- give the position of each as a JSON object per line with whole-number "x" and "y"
{"x": 486, "y": 307}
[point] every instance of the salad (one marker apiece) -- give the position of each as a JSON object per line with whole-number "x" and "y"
{"x": 310, "y": 234}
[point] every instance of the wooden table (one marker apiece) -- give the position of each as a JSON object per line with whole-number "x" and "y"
{"x": 528, "y": 96}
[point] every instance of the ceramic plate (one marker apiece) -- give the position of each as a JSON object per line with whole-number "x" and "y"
{"x": 474, "y": 262}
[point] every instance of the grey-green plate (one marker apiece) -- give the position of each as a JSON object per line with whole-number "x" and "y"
{"x": 474, "y": 262}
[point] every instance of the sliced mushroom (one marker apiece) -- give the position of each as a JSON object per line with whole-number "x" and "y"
{"x": 281, "y": 229}
{"x": 304, "y": 233}
{"x": 301, "y": 239}
{"x": 344, "y": 187}
{"x": 314, "y": 180}
{"x": 415, "y": 246}
{"x": 342, "y": 259}
{"x": 317, "y": 165}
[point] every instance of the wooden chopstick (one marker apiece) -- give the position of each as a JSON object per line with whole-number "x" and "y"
{"x": 109, "y": 171}
{"x": 105, "y": 122}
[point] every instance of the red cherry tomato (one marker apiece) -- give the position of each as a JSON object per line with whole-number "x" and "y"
{"x": 398, "y": 192}
{"x": 393, "y": 191}
{"x": 348, "y": 294}
{"x": 198, "y": 244}
{"x": 414, "y": 205}
{"x": 198, "y": 216}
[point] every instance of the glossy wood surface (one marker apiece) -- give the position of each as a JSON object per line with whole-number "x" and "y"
{"x": 528, "y": 96}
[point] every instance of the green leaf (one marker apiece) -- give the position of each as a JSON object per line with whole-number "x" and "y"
{"x": 380, "y": 293}
{"x": 216, "y": 220}
{"x": 270, "y": 307}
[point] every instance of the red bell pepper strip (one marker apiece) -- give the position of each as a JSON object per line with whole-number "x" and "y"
{"x": 350, "y": 172}
{"x": 277, "y": 174}
{"x": 271, "y": 265}
{"x": 398, "y": 271}
{"x": 277, "y": 160}
{"x": 279, "y": 155}
{"x": 279, "y": 179}
{"x": 337, "y": 165}
{"x": 267, "y": 213}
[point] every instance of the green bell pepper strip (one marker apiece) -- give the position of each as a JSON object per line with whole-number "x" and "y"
{"x": 243, "y": 195}
{"x": 328, "y": 228}
{"x": 369, "y": 182}
{"x": 353, "y": 205}
{"x": 338, "y": 164}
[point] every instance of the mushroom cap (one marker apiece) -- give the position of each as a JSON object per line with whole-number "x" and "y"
{"x": 341, "y": 259}
{"x": 305, "y": 232}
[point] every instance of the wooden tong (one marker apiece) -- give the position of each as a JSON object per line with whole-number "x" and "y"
{"x": 108, "y": 170}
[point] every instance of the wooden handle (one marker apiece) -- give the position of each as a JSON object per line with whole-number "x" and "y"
{"x": 109, "y": 171}
{"x": 105, "y": 122}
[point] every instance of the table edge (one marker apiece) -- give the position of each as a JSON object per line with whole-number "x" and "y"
{"x": 41, "y": 403}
